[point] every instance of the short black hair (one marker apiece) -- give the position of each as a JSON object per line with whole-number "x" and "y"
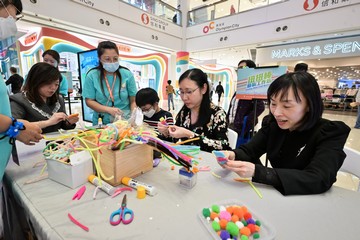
{"x": 54, "y": 54}
{"x": 16, "y": 3}
{"x": 307, "y": 85}
{"x": 41, "y": 74}
{"x": 249, "y": 63}
{"x": 169, "y": 81}
{"x": 146, "y": 96}
{"x": 13, "y": 69}
{"x": 301, "y": 67}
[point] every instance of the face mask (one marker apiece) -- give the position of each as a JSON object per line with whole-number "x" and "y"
{"x": 7, "y": 27}
{"x": 111, "y": 67}
{"x": 149, "y": 113}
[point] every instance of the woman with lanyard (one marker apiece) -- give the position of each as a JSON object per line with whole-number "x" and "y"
{"x": 109, "y": 89}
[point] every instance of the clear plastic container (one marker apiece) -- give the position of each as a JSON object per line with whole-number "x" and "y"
{"x": 267, "y": 231}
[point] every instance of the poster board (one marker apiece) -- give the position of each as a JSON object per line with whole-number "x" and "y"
{"x": 253, "y": 83}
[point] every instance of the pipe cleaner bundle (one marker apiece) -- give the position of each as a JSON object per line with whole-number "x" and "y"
{"x": 115, "y": 136}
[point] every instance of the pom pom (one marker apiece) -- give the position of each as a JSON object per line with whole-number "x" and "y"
{"x": 244, "y": 222}
{"x": 245, "y": 231}
{"x": 251, "y": 227}
{"x": 234, "y": 218}
{"x": 215, "y": 208}
{"x": 206, "y": 212}
{"x": 257, "y": 228}
{"x": 208, "y": 219}
{"x": 230, "y": 209}
{"x": 224, "y": 235}
{"x": 244, "y": 208}
{"x": 223, "y": 223}
{"x": 244, "y": 237}
{"x": 238, "y": 212}
{"x": 215, "y": 226}
{"x": 217, "y": 219}
{"x": 239, "y": 224}
{"x": 256, "y": 236}
{"x": 232, "y": 229}
{"x": 250, "y": 221}
{"x": 247, "y": 215}
{"x": 257, "y": 222}
{"x": 213, "y": 215}
{"x": 225, "y": 215}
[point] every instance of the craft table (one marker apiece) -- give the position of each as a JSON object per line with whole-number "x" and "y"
{"x": 174, "y": 212}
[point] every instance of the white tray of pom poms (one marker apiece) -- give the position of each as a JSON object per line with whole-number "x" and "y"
{"x": 234, "y": 220}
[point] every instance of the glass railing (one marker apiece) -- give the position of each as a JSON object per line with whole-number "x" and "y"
{"x": 157, "y": 8}
{"x": 224, "y": 8}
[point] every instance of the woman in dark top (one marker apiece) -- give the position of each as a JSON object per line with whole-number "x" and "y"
{"x": 40, "y": 101}
{"x": 305, "y": 150}
{"x": 198, "y": 117}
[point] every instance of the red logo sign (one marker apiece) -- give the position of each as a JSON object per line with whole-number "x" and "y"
{"x": 145, "y": 18}
{"x": 211, "y": 26}
{"x": 310, "y": 6}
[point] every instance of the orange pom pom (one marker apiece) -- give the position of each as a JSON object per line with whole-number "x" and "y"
{"x": 234, "y": 218}
{"x": 213, "y": 215}
{"x": 244, "y": 208}
{"x": 257, "y": 228}
{"x": 245, "y": 231}
{"x": 238, "y": 212}
{"x": 230, "y": 209}
{"x": 223, "y": 223}
{"x": 173, "y": 167}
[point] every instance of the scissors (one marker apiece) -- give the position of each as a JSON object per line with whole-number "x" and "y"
{"x": 126, "y": 215}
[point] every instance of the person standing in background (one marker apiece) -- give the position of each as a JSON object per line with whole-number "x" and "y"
{"x": 52, "y": 57}
{"x": 241, "y": 108}
{"x": 301, "y": 67}
{"x": 357, "y": 102}
{"x": 219, "y": 90}
{"x": 170, "y": 93}
{"x": 109, "y": 88}
{"x": 15, "y": 80}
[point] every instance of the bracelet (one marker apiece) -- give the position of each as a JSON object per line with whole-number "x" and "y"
{"x": 14, "y": 130}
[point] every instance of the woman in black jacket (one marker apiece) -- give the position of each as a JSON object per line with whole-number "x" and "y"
{"x": 305, "y": 150}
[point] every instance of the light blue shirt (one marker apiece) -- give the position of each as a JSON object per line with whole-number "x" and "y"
{"x": 92, "y": 90}
{"x": 5, "y": 146}
{"x": 64, "y": 86}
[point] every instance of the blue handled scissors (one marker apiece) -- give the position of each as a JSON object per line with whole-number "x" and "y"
{"x": 126, "y": 215}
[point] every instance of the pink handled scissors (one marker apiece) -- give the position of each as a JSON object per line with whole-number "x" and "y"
{"x": 126, "y": 215}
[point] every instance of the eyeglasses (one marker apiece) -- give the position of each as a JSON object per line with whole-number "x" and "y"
{"x": 188, "y": 92}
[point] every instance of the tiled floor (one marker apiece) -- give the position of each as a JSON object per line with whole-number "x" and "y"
{"x": 344, "y": 179}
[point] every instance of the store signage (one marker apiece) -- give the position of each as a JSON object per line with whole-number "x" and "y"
{"x": 341, "y": 47}
{"x": 220, "y": 27}
{"x": 123, "y": 48}
{"x": 86, "y": 2}
{"x": 253, "y": 83}
{"x": 154, "y": 22}
{"x": 29, "y": 40}
{"x": 310, "y": 5}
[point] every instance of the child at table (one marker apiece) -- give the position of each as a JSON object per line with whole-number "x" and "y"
{"x": 304, "y": 149}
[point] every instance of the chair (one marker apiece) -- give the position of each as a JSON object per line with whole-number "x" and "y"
{"x": 351, "y": 163}
{"x": 232, "y": 136}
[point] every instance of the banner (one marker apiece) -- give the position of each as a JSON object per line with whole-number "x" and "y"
{"x": 253, "y": 82}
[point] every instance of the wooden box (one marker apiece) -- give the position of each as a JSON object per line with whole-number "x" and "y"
{"x": 133, "y": 160}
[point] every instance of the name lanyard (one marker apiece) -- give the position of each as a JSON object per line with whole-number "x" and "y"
{"x": 111, "y": 89}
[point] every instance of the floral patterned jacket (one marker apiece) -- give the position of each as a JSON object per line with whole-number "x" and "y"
{"x": 213, "y": 134}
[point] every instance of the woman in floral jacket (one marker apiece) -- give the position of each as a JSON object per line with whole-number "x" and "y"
{"x": 199, "y": 117}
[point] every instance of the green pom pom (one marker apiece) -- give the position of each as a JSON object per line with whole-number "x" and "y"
{"x": 257, "y": 222}
{"x": 206, "y": 212}
{"x": 244, "y": 222}
{"x": 216, "y": 226}
{"x": 232, "y": 229}
{"x": 244, "y": 237}
{"x": 256, "y": 236}
{"x": 215, "y": 208}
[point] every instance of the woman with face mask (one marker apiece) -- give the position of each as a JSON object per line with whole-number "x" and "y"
{"x": 52, "y": 57}
{"x": 109, "y": 89}
{"x": 31, "y": 133}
